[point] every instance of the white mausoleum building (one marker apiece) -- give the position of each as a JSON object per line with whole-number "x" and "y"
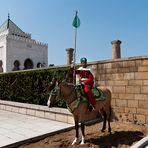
{"x": 18, "y": 50}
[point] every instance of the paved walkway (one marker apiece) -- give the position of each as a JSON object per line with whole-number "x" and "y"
{"x": 16, "y": 128}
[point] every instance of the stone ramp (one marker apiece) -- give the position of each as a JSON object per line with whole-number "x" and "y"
{"x": 57, "y": 114}
{"x": 17, "y": 129}
{"x": 21, "y": 122}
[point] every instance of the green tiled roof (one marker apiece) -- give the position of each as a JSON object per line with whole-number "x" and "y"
{"x": 12, "y": 27}
{"x": 3, "y": 27}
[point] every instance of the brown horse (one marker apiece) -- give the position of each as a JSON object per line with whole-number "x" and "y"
{"x": 81, "y": 114}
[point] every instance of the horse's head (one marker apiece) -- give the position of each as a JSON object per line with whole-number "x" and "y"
{"x": 54, "y": 96}
{"x": 62, "y": 91}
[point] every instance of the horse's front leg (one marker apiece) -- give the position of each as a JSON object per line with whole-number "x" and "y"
{"x": 83, "y": 133}
{"x": 77, "y": 133}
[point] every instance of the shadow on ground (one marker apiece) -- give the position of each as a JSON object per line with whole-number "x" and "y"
{"x": 116, "y": 139}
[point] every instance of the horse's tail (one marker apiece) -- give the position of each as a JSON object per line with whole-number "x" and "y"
{"x": 113, "y": 116}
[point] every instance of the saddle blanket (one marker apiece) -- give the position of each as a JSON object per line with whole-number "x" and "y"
{"x": 99, "y": 96}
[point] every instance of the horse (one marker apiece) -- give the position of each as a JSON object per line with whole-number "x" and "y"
{"x": 81, "y": 114}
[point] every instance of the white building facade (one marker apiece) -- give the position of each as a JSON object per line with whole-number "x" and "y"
{"x": 18, "y": 51}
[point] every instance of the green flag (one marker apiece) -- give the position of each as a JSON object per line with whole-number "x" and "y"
{"x": 76, "y": 21}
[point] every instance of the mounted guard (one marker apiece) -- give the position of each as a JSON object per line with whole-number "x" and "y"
{"x": 85, "y": 77}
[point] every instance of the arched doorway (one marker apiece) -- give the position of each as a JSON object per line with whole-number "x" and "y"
{"x": 1, "y": 66}
{"x": 28, "y": 64}
{"x": 16, "y": 65}
{"x": 39, "y": 65}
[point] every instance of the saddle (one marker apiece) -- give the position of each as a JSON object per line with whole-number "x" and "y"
{"x": 98, "y": 94}
{"x": 82, "y": 98}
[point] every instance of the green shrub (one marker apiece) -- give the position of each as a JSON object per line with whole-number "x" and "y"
{"x": 30, "y": 86}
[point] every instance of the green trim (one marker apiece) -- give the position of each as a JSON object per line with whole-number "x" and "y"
{"x": 99, "y": 95}
{"x": 75, "y": 104}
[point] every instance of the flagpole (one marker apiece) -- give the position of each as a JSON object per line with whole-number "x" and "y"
{"x": 76, "y": 24}
{"x": 74, "y": 56}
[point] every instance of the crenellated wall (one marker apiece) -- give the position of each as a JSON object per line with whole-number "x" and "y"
{"x": 128, "y": 81}
{"x": 27, "y": 40}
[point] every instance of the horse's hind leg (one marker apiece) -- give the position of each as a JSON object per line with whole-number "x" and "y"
{"x": 77, "y": 133}
{"x": 104, "y": 121}
{"x": 109, "y": 116}
{"x": 109, "y": 128}
{"x": 83, "y": 133}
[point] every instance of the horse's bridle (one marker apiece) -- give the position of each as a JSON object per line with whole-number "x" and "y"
{"x": 57, "y": 92}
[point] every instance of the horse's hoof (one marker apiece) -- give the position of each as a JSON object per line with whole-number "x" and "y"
{"x": 109, "y": 130}
{"x": 102, "y": 130}
{"x": 72, "y": 143}
{"x": 81, "y": 143}
{"x": 75, "y": 141}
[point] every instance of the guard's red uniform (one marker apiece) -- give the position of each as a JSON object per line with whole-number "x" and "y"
{"x": 88, "y": 79}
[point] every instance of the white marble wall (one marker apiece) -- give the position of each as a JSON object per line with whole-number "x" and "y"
{"x": 16, "y": 48}
{"x": 3, "y": 51}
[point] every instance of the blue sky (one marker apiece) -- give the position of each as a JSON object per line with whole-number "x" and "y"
{"x": 102, "y": 21}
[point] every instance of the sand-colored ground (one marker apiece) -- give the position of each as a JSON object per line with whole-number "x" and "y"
{"x": 123, "y": 136}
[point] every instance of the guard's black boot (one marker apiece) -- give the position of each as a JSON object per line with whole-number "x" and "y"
{"x": 90, "y": 107}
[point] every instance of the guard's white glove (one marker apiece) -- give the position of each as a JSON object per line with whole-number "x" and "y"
{"x": 72, "y": 65}
{"x": 82, "y": 83}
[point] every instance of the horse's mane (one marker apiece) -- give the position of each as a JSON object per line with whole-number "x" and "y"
{"x": 68, "y": 87}
{"x": 67, "y": 84}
